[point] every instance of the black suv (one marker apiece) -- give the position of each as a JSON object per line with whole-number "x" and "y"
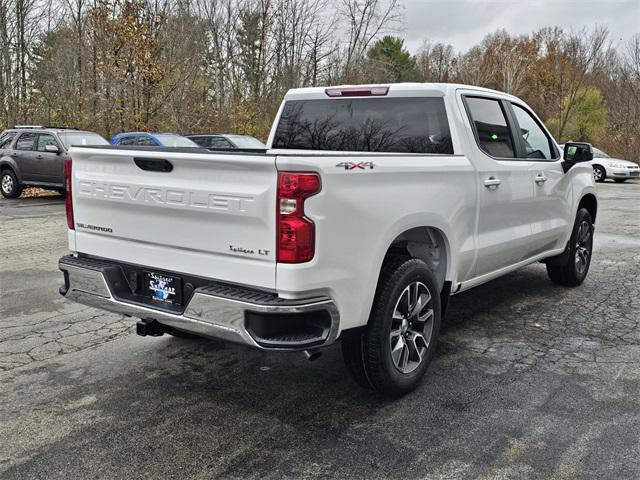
{"x": 33, "y": 156}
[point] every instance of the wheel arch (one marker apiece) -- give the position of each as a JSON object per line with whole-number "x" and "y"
{"x": 10, "y": 165}
{"x": 429, "y": 244}
{"x": 590, "y": 202}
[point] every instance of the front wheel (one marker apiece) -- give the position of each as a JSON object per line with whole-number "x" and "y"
{"x": 570, "y": 268}
{"x": 394, "y": 351}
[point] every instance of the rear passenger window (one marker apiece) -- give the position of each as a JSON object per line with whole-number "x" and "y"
{"x": 219, "y": 142}
{"x": 145, "y": 141}
{"x": 536, "y": 142}
{"x": 126, "y": 141}
{"x": 402, "y": 125}
{"x": 26, "y": 141}
{"x": 491, "y": 129}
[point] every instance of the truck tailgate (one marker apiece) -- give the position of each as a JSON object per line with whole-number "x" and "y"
{"x": 204, "y": 214}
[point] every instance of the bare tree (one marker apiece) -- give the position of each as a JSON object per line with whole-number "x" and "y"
{"x": 436, "y": 62}
{"x": 366, "y": 20}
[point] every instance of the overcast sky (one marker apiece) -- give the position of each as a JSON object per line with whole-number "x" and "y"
{"x": 463, "y": 23}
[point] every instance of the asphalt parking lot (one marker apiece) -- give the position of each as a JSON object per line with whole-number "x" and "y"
{"x": 530, "y": 380}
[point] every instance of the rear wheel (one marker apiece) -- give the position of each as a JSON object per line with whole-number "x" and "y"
{"x": 9, "y": 184}
{"x": 572, "y": 266}
{"x": 620, "y": 180}
{"x": 599, "y": 173}
{"x": 394, "y": 351}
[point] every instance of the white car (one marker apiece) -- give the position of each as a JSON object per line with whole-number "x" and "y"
{"x": 615, "y": 168}
{"x": 369, "y": 208}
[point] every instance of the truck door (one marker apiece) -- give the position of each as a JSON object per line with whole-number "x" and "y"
{"x": 551, "y": 208}
{"x": 506, "y": 188}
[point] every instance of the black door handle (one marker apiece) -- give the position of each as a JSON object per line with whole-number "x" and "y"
{"x": 153, "y": 164}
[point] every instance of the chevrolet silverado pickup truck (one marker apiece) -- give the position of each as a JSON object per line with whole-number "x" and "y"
{"x": 369, "y": 208}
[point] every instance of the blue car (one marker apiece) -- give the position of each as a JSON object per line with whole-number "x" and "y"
{"x": 153, "y": 140}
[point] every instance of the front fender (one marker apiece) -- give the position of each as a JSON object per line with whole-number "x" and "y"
{"x": 581, "y": 176}
{"x": 582, "y": 184}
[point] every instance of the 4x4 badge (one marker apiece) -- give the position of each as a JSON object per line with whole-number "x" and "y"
{"x": 356, "y": 165}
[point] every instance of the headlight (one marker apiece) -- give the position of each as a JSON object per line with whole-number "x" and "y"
{"x": 617, "y": 165}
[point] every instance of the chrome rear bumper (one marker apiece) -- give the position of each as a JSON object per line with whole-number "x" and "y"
{"x": 215, "y": 310}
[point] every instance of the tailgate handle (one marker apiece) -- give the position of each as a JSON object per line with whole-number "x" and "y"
{"x": 153, "y": 164}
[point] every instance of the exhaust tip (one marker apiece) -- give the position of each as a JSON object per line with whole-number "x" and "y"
{"x": 312, "y": 354}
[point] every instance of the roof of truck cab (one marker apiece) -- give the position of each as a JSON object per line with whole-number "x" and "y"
{"x": 395, "y": 89}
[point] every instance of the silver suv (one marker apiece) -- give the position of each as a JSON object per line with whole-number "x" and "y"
{"x": 33, "y": 156}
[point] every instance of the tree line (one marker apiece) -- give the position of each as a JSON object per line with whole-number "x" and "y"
{"x": 223, "y": 65}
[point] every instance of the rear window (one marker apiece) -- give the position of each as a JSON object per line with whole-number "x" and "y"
{"x": 402, "y": 125}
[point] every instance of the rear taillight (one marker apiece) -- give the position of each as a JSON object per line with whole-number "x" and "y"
{"x": 67, "y": 199}
{"x": 295, "y": 242}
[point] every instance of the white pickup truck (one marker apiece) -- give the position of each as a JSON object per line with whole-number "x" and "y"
{"x": 370, "y": 207}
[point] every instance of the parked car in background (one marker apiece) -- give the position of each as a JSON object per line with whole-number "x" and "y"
{"x": 33, "y": 156}
{"x": 615, "y": 168}
{"x": 147, "y": 139}
{"x": 227, "y": 141}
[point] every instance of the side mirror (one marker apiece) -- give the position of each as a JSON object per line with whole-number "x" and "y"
{"x": 51, "y": 149}
{"x": 577, "y": 152}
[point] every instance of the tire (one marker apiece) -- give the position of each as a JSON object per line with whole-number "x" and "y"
{"x": 9, "y": 184}
{"x": 393, "y": 352}
{"x": 599, "y": 173}
{"x": 571, "y": 268}
{"x": 619, "y": 180}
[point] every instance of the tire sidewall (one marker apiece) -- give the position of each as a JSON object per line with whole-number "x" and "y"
{"x": 415, "y": 271}
{"x": 582, "y": 215}
{"x": 15, "y": 192}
